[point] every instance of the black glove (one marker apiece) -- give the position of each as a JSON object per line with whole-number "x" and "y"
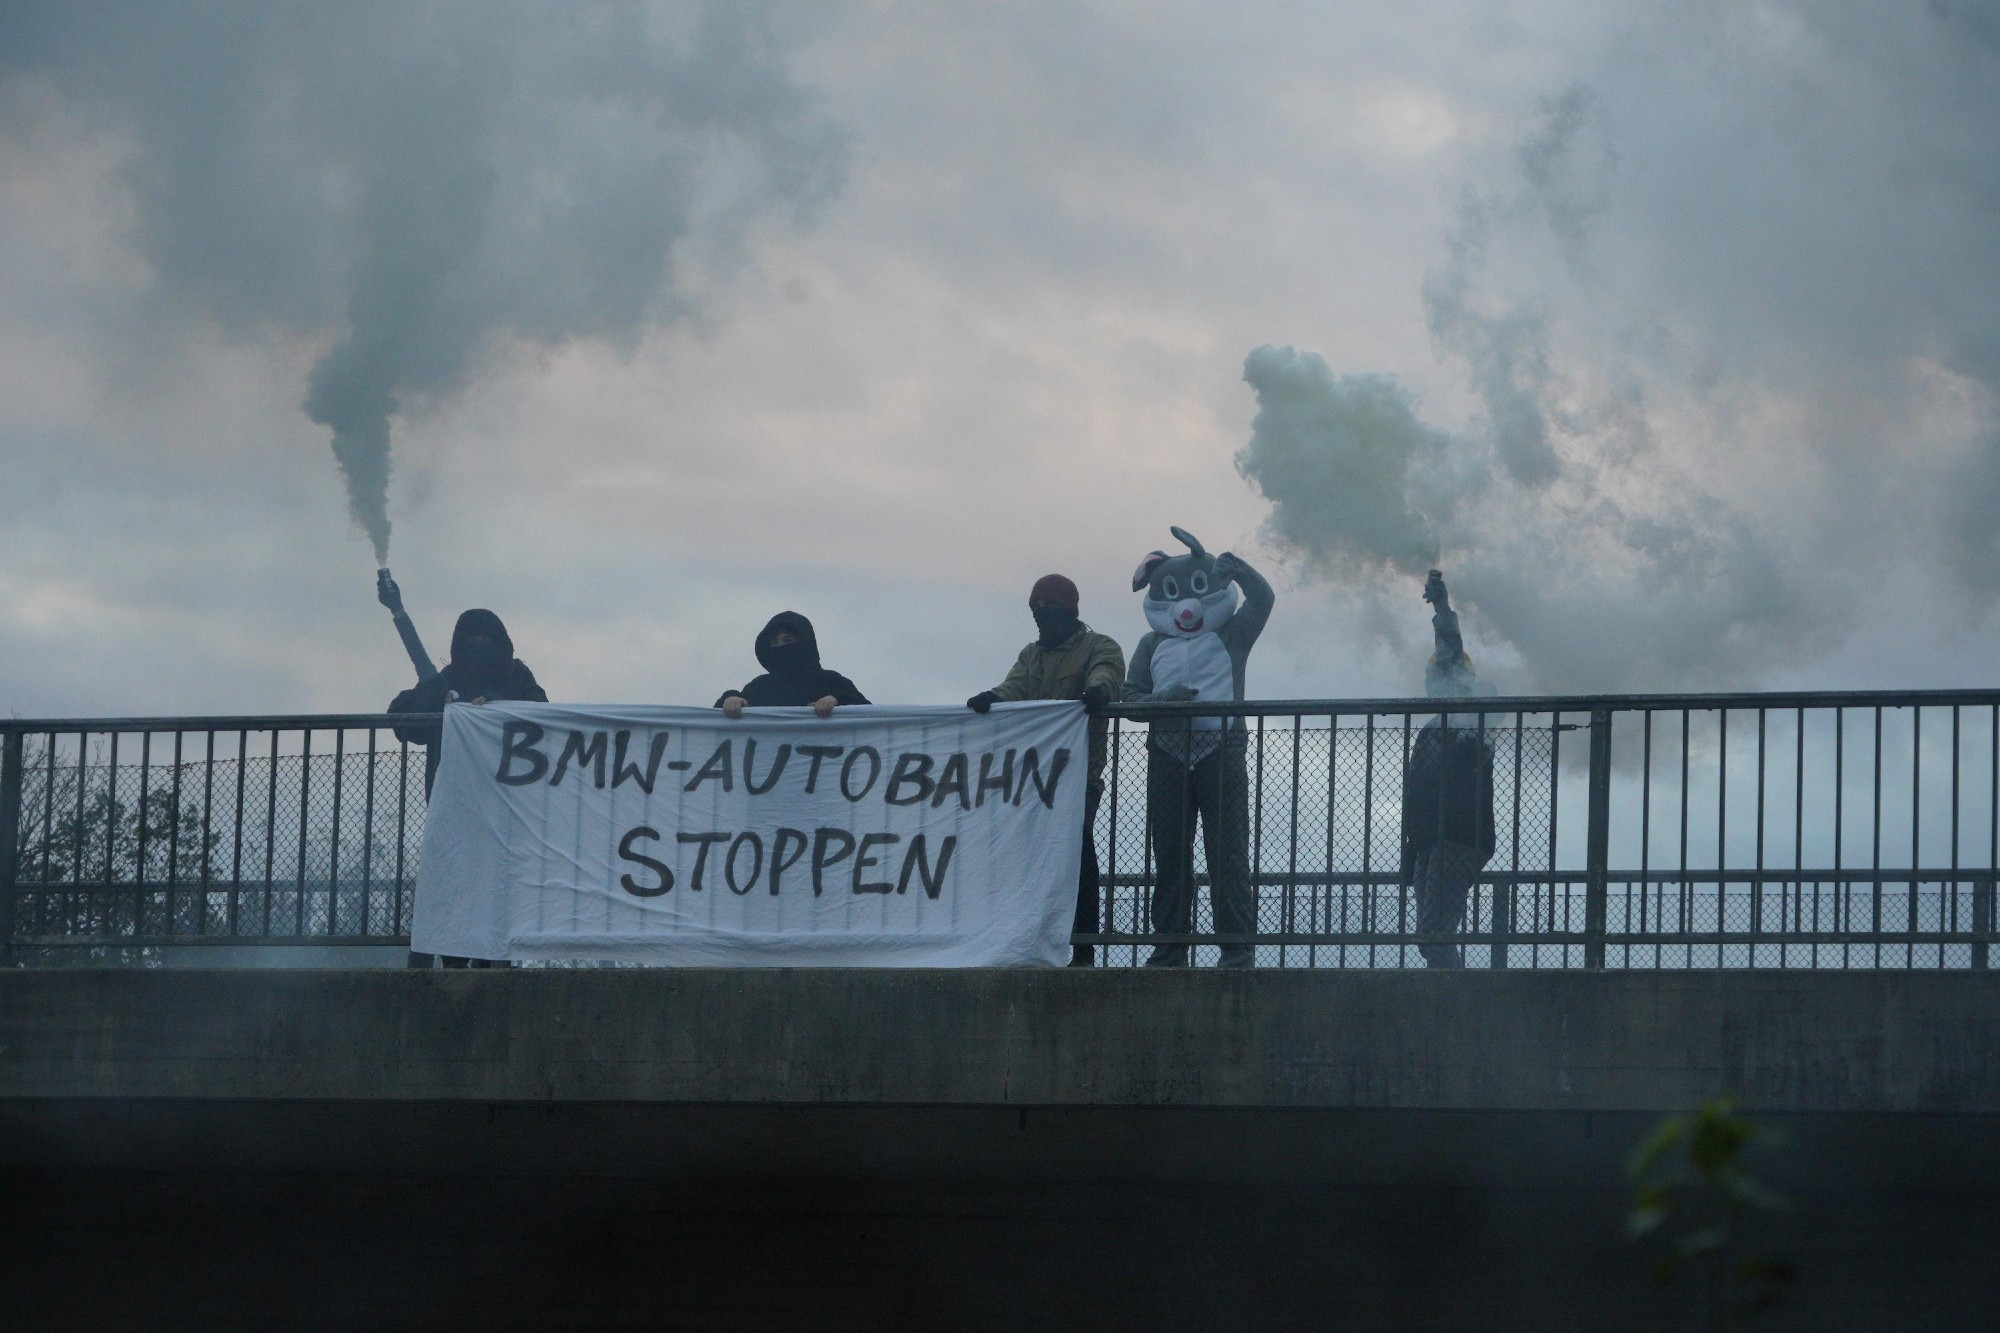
{"x": 982, "y": 701}
{"x": 1095, "y": 697}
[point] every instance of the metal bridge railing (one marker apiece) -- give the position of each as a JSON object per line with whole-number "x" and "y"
{"x": 1662, "y": 831}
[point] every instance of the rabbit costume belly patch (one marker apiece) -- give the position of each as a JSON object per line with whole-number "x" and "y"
{"x": 1201, "y": 663}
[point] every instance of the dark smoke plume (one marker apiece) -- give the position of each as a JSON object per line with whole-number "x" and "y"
{"x": 420, "y": 184}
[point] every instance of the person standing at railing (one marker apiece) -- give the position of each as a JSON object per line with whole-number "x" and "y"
{"x": 1447, "y": 791}
{"x": 1195, "y": 766}
{"x": 483, "y": 669}
{"x": 788, "y": 650}
{"x": 1068, "y": 660}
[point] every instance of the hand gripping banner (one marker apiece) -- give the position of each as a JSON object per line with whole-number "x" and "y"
{"x": 878, "y": 837}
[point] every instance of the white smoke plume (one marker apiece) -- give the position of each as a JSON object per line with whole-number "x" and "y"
{"x": 416, "y": 185}
{"x": 1596, "y": 562}
{"x": 1726, "y": 374}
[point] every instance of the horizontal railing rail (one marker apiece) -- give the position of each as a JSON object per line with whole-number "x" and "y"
{"x": 1797, "y": 829}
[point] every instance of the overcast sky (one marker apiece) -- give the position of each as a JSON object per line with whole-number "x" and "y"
{"x": 1675, "y": 336}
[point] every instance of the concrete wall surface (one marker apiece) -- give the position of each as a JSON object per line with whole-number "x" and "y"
{"x": 1009, "y": 1151}
{"x": 1804, "y": 1042}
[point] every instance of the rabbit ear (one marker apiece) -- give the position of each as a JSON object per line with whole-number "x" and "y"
{"x": 1144, "y": 573}
{"x": 1187, "y": 539}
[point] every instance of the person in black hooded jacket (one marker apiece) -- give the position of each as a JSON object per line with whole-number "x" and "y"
{"x": 1448, "y": 832}
{"x": 483, "y": 669}
{"x": 788, "y": 650}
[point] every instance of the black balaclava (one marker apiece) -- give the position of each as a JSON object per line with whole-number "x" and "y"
{"x": 480, "y": 659}
{"x": 1057, "y": 624}
{"x": 1056, "y": 607}
{"x": 792, "y": 660}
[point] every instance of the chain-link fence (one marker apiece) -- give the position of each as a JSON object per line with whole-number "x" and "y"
{"x": 1671, "y": 832}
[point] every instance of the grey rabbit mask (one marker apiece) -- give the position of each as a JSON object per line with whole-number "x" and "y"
{"x": 1185, "y": 595}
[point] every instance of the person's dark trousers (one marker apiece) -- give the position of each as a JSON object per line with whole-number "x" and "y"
{"x": 1088, "y": 879}
{"x": 1443, "y": 878}
{"x": 1217, "y": 791}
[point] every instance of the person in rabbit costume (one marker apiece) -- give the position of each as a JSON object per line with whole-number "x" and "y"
{"x": 1198, "y": 649}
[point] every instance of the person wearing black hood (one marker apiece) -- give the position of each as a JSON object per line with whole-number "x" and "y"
{"x": 483, "y": 669}
{"x": 788, "y": 650}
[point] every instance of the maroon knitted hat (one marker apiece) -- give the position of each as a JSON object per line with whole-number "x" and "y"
{"x": 1055, "y": 588}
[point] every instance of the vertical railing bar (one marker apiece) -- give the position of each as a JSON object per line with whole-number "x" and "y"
{"x": 1681, "y": 889}
{"x": 1982, "y": 893}
{"x": 174, "y": 841}
{"x": 1916, "y": 822}
{"x": 139, "y": 872}
{"x": 1187, "y": 844}
{"x": 333, "y": 863}
{"x": 1952, "y": 925}
{"x": 271, "y": 835}
{"x": 1597, "y": 840}
{"x": 1333, "y": 804}
{"x": 1503, "y": 948}
{"x": 1107, "y": 894}
{"x": 236, "y": 839}
{"x": 402, "y": 829}
{"x": 1256, "y": 845}
{"x": 1798, "y": 841}
{"x": 1648, "y": 901}
{"x": 1875, "y": 854}
{"x": 48, "y": 833}
{"x": 1721, "y": 827}
{"x": 1292, "y": 841}
{"x": 1842, "y": 905}
{"x": 1757, "y": 885}
{"x": 1368, "y": 837}
{"x": 207, "y": 830}
{"x": 111, "y": 822}
{"x": 82, "y": 780}
{"x": 305, "y": 817}
{"x": 11, "y": 748}
{"x": 1404, "y": 890}
{"x": 1153, "y": 862}
{"x": 1555, "y": 817}
{"x": 368, "y": 842}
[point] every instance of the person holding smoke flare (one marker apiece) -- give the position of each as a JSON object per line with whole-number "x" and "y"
{"x": 1068, "y": 660}
{"x": 1447, "y": 791}
{"x": 788, "y": 650}
{"x": 483, "y": 669}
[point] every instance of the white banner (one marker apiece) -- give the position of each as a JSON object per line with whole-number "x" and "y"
{"x": 878, "y": 837}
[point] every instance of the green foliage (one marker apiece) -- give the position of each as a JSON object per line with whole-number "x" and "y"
{"x": 95, "y": 859}
{"x": 1692, "y": 1193}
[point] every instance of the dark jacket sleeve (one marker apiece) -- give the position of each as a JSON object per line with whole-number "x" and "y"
{"x": 423, "y": 697}
{"x": 527, "y": 689}
{"x": 842, "y": 689}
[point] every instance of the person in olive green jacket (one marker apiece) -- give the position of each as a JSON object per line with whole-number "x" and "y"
{"x": 1068, "y": 660}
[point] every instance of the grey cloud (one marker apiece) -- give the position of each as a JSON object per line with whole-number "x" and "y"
{"x": 1339, "y": 459}
{"x": 416, "y": 183}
